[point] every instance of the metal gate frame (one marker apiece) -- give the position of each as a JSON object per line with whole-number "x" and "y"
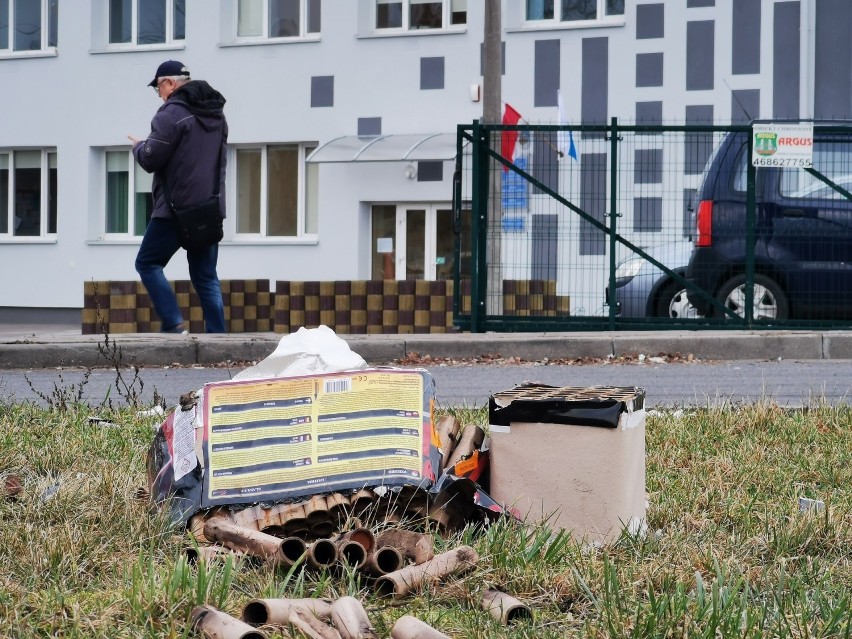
{"x": 484, "y": 158}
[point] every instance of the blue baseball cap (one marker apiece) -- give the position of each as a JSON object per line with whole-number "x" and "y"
{"x": 168, "y": 69}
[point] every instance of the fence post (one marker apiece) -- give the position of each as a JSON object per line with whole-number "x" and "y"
{"x": 479, "y": 228}
{"x": 613, "y": 216}
{"x": 751, "y": 172}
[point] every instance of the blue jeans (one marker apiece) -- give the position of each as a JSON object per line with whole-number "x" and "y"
{"x": 158, "y": 246}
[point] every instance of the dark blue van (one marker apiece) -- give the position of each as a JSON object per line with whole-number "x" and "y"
{"x": 803, "y": 233}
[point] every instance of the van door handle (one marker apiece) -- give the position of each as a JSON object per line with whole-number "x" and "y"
{"x": 793, "y": 213}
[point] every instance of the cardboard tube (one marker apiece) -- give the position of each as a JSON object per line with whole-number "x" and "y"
{"x": 210, "y": 553}
{"x": 448, "y": 430}
{"x": 251, "y": 542}
{"x": 292, "y": 550}
{"x": 322, "y": 528}
{"x": 316, "y": 510}
{"x": 471, "y": 439}
{"x": 413, "y": 545}
{"x": 276, "y": 612}
{"x": 362, "y": 500}
{"x": 382, "y": 561}
{"x": 322, "y": 553}
{"x": 408, "y": 627}
{"x": 505, "y": 608}
{"x": 363, "y": 536}
{"x": 338, "y": 506}
{"x": 351, "y": 619}
{"x": 401, "y": 582}
{"x": 215, "y": 624}
{"x": 351, "y": 553}
{"x": 310, "y": 626}
{"x": 447, "y": 512}
{"x": 294, "y": 518}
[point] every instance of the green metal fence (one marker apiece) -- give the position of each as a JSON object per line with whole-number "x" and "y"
{"x": 592, "y": 227}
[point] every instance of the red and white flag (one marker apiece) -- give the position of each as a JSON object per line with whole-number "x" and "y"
{"x": 509, "y": 138}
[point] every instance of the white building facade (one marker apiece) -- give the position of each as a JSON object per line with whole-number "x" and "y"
{"x": 360, "y": 80}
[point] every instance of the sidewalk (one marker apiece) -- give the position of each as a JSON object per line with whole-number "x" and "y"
{"x": 47, "y": 346}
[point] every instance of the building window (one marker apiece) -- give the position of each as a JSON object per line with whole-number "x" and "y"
{"x": 274, "y": 191}
{"x": 129, "y": 201}
{"x": 27, "y": 25}
{"x": 406, "y": 15}
{"x": 28, "y": 188}
{"x": 573, "y": 10}
{"x": 143, "y": 22}
{"x": 278, "y": 18}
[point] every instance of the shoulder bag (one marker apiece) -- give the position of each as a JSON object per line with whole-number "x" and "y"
{"x": 199, "y": 225}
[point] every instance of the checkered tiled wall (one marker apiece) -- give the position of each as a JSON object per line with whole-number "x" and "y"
{"x": 365, "y": 306}
{"x": 126, "y": 308}
{"x": 360, "y": 306}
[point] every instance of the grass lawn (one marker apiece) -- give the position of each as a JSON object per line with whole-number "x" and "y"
{"x": 728, "y": 552}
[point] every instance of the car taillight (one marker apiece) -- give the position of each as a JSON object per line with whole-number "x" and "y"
{"x": 705, "y": 221}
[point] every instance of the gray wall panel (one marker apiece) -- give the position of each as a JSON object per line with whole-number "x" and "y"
{"x": 648, "y": 214}
{"x": 595, "y": 78}
{"x": 369, "y": 126}
{"x": 593, "y": 189}
{"x": 745, "y": 46}
{"x": 544, "y": 247}
{"x": 431, "y": 73}
{"x": 650, "y": 21}
{"x": 745, "y": 105}
{"x": 430, "y": 171}
{"x": 786, "y": 74}
{"x": 546, "y": 72}
{"x": 648, "y": 166}
{"x": 832, "y": 75}
{"x": 545, "y": 164}
{"x": 322, "y": 91}
{"x": 700, "y": 54}
{"x": 698, "y": 146}
{"x": 649, "y": 69}
{"x": 699, "y": 3}
{"x": 650, "y": 113}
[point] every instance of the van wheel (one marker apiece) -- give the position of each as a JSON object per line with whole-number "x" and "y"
{"x": 672, "y": 302}
{"x": 770, "y": 302}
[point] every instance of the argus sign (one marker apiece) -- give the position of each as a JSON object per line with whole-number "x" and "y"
{"x": 783, "y": 145}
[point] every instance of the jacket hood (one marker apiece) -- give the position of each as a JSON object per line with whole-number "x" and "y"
{"x": 203, "y": 101}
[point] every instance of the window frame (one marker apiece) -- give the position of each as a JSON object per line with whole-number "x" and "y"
{"x": 46, "y": 154}
{"x": 264, "y": 36}
{"x": 602, "y": 19}
{"x": 132, "y": 169}
{"x": 46, "y": 25}
{"x": 170, "y": 40}
{"x": 446, "y": 18}
{"x": 303, "y": 220}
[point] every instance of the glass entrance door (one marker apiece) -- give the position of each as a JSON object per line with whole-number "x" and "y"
{"x": 412, "y": 241}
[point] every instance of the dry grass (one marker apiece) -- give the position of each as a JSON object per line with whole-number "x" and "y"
{"x": 728, "y": 553}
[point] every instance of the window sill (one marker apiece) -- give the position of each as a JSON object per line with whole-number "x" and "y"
{"x": 115, "y": 241}
{"x": 40, "y": 53}
{"x": 24, "y": 239}
{"x": 546, "y": 25}
{"x": 411, "y": 33}
{"x": 255, "y": 240}
{"x": 254, "y": 42}
{"x": 133, "y": 48}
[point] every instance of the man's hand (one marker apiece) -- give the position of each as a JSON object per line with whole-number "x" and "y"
{"x": 134, "y": 139}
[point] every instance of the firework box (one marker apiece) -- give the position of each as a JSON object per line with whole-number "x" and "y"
{"x": 571, "y": 457}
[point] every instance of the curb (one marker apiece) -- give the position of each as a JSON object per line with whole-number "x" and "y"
{"x": 48, "y": 351}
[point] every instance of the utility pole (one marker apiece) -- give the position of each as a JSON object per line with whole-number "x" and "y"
{"x": 492, "y": 65}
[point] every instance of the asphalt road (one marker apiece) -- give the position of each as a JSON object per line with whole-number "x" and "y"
{"x": 787, "y": 382}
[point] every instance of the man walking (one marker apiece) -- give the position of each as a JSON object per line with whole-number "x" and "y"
{"x": 186, "y": 152}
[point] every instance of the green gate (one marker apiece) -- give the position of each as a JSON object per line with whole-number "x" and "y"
{"x": 592, "y": 227}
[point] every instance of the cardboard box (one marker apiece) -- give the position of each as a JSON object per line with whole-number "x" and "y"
{"x": 573, "y": 457}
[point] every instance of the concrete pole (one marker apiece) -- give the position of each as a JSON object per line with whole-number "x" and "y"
{"x": 492, "y": 64}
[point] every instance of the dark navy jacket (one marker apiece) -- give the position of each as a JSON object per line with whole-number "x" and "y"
{"x": 188, "y": 134}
